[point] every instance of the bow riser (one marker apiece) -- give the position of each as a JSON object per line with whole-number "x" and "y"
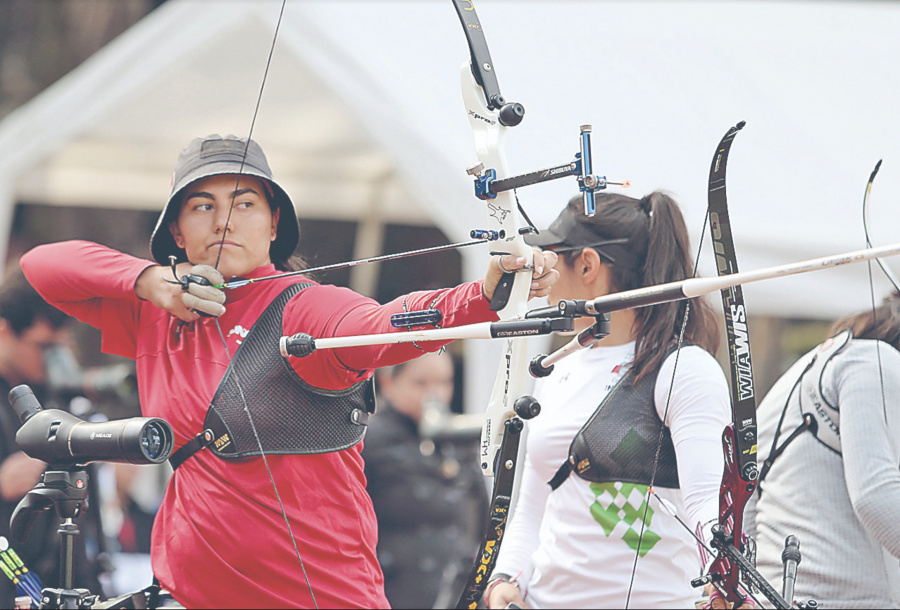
{"x": 503, "y": 216}
{"x": 733, "y": 496}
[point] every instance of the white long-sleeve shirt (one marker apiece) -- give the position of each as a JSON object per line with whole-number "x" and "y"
{"x": 575, "y": 547}
{"x": 843, "y": 508}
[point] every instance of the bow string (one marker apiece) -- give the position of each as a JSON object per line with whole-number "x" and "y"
{"x": 234, "y": 371}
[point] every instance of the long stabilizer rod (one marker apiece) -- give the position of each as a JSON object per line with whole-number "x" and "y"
{"x": 686, "y": 289}
{"x": 640, "y": 297}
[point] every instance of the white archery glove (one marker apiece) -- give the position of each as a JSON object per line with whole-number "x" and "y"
{"x": 201, "y": 298}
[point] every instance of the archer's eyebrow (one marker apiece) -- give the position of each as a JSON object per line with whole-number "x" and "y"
{"x": 206, "y": 195}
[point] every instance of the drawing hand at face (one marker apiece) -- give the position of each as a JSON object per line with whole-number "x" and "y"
{"x": 202, "y": 297}
{"x": 155, "y": 284}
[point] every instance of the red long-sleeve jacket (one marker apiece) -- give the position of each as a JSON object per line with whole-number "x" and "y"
{"x": 220, "y": 539}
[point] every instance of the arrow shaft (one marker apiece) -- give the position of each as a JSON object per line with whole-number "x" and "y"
{"x": 376, "y": 259}
{"x": 694, "y": 287}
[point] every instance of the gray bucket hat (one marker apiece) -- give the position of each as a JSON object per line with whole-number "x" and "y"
{"x": 215, "y": 155}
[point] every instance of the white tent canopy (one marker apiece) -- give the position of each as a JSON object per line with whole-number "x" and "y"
{"x": 362, "y": 118}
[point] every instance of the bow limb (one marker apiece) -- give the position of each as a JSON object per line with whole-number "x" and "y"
{"x": 732, "y": 572}
{"x": 730, "y": 567}
{"x": 884, "y": 268}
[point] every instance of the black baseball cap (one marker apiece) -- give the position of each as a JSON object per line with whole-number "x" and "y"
{"x": 568, "y": 233}
{"x": 215, "y": 155}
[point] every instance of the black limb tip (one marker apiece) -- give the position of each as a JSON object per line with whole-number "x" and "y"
{"x": 511, "y": 114}
{"x": 299, "y": 345}
{"x": 527, "y": 407}
{"x": 537, "y": 368}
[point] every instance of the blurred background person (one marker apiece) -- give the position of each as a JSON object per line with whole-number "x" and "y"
{"x": 829, "y": 449}
{"x": 429, "y": 495}
{"x": 29, "y": 328}
{"x": 114, "y": 540}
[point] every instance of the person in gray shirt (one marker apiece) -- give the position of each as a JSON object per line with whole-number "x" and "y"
{"x": 829, "y": 449}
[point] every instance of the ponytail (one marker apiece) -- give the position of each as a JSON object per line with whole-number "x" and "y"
{"x": 668, "y": 259}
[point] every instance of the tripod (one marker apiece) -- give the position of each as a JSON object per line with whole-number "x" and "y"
{"x": 66, "y": 491}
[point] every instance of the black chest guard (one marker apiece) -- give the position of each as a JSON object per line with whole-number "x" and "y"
{"x": 289, "y": 415}
{"x": 618, "y": 442}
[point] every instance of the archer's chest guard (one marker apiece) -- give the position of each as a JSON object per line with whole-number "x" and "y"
{"x": 287, "y": 415}
{"x": 618, "y": 442}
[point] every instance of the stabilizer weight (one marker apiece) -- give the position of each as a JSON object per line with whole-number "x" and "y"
{"x": 526, "y": 407}
{"x": 299, "y": 345}
{"x": 537, "y": 368}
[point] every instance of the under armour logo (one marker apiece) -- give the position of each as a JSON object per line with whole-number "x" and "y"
{"x": 240, "y": 331}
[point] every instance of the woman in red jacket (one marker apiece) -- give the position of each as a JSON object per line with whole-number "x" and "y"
{"x": 267, "y": 506}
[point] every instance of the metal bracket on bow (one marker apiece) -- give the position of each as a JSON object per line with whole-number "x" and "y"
{"x": 487, "y": 185}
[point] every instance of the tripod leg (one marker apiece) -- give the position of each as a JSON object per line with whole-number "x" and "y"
{"x": 68, "y": 531}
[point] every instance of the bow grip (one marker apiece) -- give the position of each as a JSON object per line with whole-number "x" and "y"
{"x": 502, "y": 292}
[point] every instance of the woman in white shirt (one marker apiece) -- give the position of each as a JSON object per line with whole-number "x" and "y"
{"x": 578, "y": 536}
{"x": 829, "y": 445}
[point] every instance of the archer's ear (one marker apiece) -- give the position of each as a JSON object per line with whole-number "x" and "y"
{"x": 589, "y": 265}
{"x": 176, "y": 234}
{"x": 275, "y": 216}
{"x": 6, "y": 331}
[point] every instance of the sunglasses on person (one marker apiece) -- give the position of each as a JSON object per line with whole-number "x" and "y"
{"x": 596, "y": 246}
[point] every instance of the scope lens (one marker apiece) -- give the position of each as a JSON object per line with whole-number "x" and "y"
{"x": 153, "y": 440}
